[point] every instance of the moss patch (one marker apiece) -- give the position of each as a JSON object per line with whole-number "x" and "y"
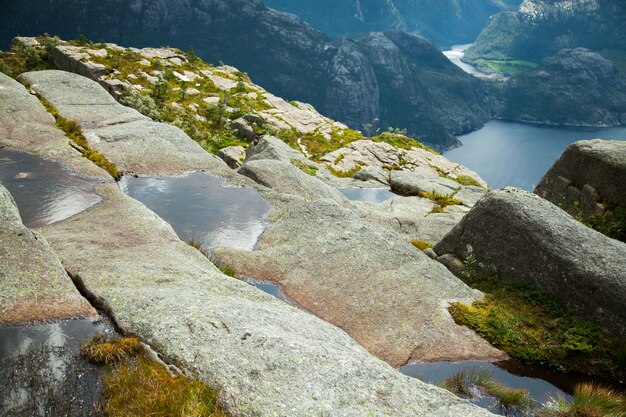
{"x": 304, "y": 167}
{"x": 421, "y": 245}
{"x": 533, "y": 327}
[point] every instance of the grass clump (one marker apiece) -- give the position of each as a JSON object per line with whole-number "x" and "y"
{"x": 442, "y": 200}
{"x": 138, "y": 387}
{"x": 421, "y": 245}
{"x": 467, "y": 181}
{"x": 612, "y": 223}
{"x": 304, "y": 167}
{"x": 589, "y": 400}
{"x": 462, "y": 382}
{"x": 196, "y": 244}
{"x": 533, "y": 327}
{"x": 101, "y": 350}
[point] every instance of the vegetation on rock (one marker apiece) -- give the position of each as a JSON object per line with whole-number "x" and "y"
{"x": 533, "y": 327}
{"x": 136, "y": 386}
{"x": 589, "y": 401}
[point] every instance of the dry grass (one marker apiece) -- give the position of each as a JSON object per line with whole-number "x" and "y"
{"x": 589, "y": 400}
{"x": 110, "y": 352}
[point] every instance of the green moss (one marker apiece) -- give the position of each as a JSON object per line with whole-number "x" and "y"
{"x": 345, "y": 174}
{"x": 401, "y": 141}
{"x": 533, "y": 327}
{"x": 442, "y": 200}
{"x": 75, "y": 134}
{"x": 102, "y": 350}
{"x": 467, "y": 181}
{"x": 304, "y": 167}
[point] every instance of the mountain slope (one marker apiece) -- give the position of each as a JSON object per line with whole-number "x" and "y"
{"x": 444, "y": 22}
{"x": 278, "y": 50}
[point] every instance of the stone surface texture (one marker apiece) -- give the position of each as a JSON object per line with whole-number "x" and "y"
{"x": 33, "y": 284}
{"x": 528, "y": 240}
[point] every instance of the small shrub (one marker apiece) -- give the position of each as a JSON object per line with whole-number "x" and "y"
{"x": 143, "y": 103}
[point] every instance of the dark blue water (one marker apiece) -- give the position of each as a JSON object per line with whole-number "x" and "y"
{"x": 518, "y": 154}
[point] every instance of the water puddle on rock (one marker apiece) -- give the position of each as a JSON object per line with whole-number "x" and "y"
{"x": 542, "y": 385}
{"x": 42, "y": 373}
{"x": 371, "y": 195}
{"x": 201, "y": 208}
{"x": 44, "y": 191}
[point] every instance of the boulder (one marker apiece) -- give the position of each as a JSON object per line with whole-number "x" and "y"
{"x": 372, "y": 174}
{"x": 33, "y": 283}
{"x": 26, "y": 126}
{"x": 589, "y": 174}
{"x": 265, "y": 357}
{"x": 365, "y": 279}
{"x": 269, "y": 147}
{"x": 233, "y": 156}
{"x": 244, "y": 129}
{"x": 284, "y": 177}
{"x": 130, "y": 140}
{"x": 410, "y": 183}
{"x": 529, "y": 240}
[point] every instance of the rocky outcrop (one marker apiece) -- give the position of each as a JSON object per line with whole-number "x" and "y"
{"x": 225, "y": 332}
{"x": 529, "y": 240}
{"x": 590, "y": 172}
{"x": 130, "y": 140}
{"x": 573, "y": 87}
{"x": 234, "y": 156}
{"x": 26, "y": 126}
{"x": 33, "y": 284}
{"x": 283, "y": 54}
{"x": 363, "y": 278}
{"x": 381, "y": 155}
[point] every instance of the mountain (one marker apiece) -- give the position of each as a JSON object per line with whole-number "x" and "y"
{"x": 340, "y": 77}
{"x": 444, "y": 22}
{"x": 541, "y": 28}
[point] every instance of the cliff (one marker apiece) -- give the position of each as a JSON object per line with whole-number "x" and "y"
{"x": 278, "y": 50}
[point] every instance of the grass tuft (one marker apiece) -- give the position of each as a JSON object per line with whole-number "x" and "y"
{"x": 589, "y": 400}
{"x": 101, "y": 350}
{"x": 304, "y": 167}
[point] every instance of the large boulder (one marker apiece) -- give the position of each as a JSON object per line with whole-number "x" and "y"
{"x": 133, "y": 142}
{"x": 264, "y": 356}
{"x": 410, "y": 183}
{"x": 25, "y": 125}
{"x": 33, "y": 284}
{"x": 589, "y": 174}
{"x": 363, "y": 278}
{"x": 528, "y": 240}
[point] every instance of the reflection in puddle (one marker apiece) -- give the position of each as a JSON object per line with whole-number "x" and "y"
{"x": 372, "y": 195}
{"x": 44, "y": 191}
{"x": 42, "y": 373}
{"x": 200, "y": 207}
{"x": 540, "y": 390}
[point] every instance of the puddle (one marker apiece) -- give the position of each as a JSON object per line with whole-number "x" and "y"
{"x": 507, "y": 373}
{"x": 200, "y": 207}
{"x": 45, "y": 192}
{"x": 372, "y": 195}
{"x": 42, "y": 373}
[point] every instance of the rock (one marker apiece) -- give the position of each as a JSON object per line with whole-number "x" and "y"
{"x": 455, "y": 266}
{"x": 430, "y": 253}
{"x": 381, "y": 155}
{"x": 470, "y": 195}
{"x": 264, "y": 357}
{"x": 130, "y": 140}
{"x": 528, "y": 240}
{"x": 409, "y": 183}
{"x": 26, "y": 126}
{"x": 269, "y": 147}
{"x": 33, "y": 284}
{"x": 384, "y": 292}
{"x": 284, "y": 177}
{"x": 244, "y": 129}
{"x": 372, "y": 174}
{"x": 589, "y": 174}
{"x": 233, "y": 156}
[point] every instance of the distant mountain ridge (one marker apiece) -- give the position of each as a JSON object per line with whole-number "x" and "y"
{"x": 443, "y": 22}
{"x": 284, "y": 55}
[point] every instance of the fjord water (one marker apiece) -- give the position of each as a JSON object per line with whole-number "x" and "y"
{"x": 518, "y": 154}
{"x": 456, "y": 54}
